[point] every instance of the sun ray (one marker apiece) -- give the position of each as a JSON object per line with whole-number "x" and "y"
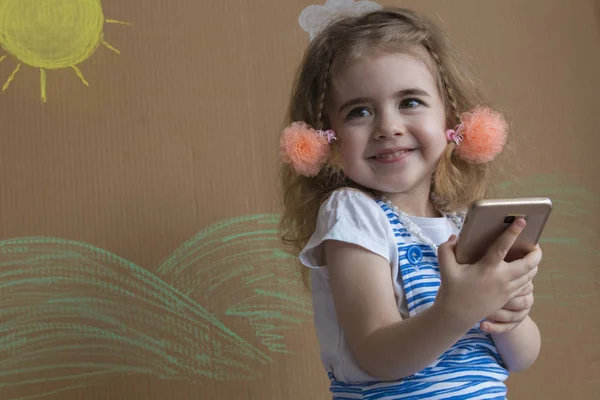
{"x": 104, "y": 42}
{"x": 115, "y": 21}
{"x": 80, "y": 75}
{"x": 43, "y": 83}
{"x": 11, "y": 77}
{"x": 52, "y": 43}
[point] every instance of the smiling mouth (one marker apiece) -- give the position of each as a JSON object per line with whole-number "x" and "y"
{"x": 392, "y": 155}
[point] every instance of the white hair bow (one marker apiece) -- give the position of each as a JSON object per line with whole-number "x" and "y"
{"x": 314, "y": 18}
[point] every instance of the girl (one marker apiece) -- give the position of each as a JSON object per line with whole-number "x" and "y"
{"x": 388, "y": 139}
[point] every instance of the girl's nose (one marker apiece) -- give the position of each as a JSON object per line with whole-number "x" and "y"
{"x": 389, "y": 126}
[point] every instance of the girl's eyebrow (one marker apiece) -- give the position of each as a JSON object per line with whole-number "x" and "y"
{"x": 401, "y": 93}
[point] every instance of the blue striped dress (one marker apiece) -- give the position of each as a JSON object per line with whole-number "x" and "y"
{"x": 470, "y": 369}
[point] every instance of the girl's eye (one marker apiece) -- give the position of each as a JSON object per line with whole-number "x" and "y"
{"x": 358, "y": 112}
{"x": 410, "y": 103}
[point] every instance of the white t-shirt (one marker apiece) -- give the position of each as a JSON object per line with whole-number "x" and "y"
{"x": 352, "y": 216}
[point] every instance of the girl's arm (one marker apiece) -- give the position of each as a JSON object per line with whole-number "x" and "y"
{"x": 520, "y": 347}
{"x": 386, "y": 347}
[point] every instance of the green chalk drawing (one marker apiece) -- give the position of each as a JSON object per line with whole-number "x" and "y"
{"x": 569, "y": 199}
{"x": 219, "y": 307}
{"x": 576, "y": 240}
{"x": 566, "y": 280}
{"x": 72, "y": 314}
{"x": 269, "y": 294}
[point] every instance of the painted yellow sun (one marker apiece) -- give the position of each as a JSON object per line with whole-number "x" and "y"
{"x": 51, "y": 34}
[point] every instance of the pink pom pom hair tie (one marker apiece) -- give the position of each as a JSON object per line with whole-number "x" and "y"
{"x": 454, "y": 136}
{"x": 480, "y": 136}
{"x": 305, "y": 148}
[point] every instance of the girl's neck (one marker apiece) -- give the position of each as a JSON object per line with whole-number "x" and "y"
{"x": 413, "y": 204}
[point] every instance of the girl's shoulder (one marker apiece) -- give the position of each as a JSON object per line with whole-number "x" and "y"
{"x": 348, "y": 196}
{"x": 353, "y": 208}
{"x": 352, "y": 216}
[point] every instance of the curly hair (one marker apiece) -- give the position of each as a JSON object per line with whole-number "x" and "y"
{"x": 455, "y": 183}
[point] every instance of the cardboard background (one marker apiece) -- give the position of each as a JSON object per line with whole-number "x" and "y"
{"x": 179, "y": 132}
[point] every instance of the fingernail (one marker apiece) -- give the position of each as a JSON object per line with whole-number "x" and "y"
{"x": 520, "y": 222}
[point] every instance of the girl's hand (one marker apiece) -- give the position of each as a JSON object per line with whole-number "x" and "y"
{"x": 512, "y": 314}
{"x": 473, "y": 292}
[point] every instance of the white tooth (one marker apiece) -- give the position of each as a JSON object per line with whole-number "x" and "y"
{"x": 392, "y": 155}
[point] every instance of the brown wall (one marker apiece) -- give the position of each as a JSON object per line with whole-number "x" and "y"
{"x": 179, "y": 132}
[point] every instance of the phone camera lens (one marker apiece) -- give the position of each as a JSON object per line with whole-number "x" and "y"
{"x": 509, "y": 220}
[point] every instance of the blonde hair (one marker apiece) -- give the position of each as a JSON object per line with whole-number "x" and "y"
{"x": 455, "y": 183}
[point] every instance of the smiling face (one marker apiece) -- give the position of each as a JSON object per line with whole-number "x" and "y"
{"x": 390, "y": 121}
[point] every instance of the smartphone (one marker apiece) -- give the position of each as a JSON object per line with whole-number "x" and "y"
{"x": 486, "y": 220}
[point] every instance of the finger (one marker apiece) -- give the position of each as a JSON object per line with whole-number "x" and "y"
{"x": 520, "y": 303}
{"x": 498, "y": 250}
{"x": 523, "y": 291}
{"x": 534, "y": 257}
{"x": 503, "y": 315}
{"x": 517, "y": 284}
{"x": 519, "y": 268}
{"x": 528, "y": 289}
{"x": 446, "y": 252}
{"x": 498, "y": 327}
